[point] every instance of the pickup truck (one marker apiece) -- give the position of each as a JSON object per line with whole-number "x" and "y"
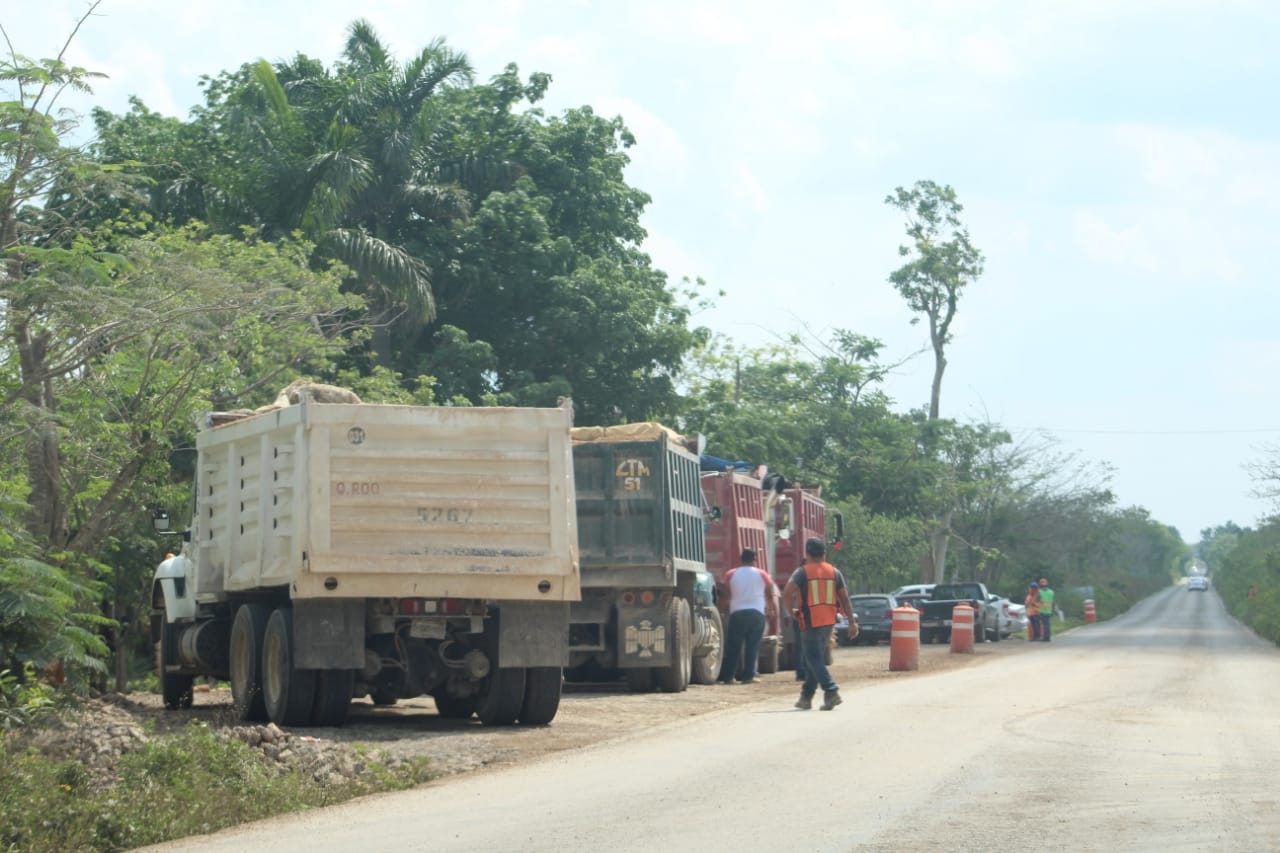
{"x": 935, "y": 617}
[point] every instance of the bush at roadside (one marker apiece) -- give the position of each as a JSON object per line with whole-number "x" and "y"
{"x": 193, "y": 782}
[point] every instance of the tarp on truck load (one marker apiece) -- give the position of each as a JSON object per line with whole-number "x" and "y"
{"x": 646, "y": 431}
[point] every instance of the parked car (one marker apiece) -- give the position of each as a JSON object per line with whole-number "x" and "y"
{"x": 1000, "y": 617}
{"x": 1197, "y": 583}
{"x": 875, "y": 618}
{"x": 1018, "y": 619}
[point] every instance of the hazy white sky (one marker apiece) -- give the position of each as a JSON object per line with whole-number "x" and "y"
{"x": 1119, "y": 161}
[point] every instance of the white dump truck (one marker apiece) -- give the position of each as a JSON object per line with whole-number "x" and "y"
{"x": 338, "y": 550}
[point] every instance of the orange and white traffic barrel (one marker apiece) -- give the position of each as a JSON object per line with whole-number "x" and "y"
{"x": 904, "y": 640}
{"x": 962, "y": 629}
{"x": 1090, "y": 615}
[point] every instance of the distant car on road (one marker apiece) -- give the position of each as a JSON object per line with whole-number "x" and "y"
{"x": 1197, "y": 583}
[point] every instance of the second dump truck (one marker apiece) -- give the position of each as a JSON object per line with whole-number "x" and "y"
{"x": 648, "y": 611}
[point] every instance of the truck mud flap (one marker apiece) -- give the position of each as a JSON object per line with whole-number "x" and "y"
{"x": 329, "y": 634}
{"x": 643, "y": 637}
{"x": 533, "y": 634}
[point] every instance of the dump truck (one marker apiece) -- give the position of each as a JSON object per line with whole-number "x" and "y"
{"x": 338, "y": 550}
{"x": 804, "y": 513}
{"x": 742, "y": 515}
{"x": 648, "y": 610}
{"x": 774, "y": 517}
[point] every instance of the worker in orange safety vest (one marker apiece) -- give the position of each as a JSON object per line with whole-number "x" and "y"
{"x": 814, "y": 594}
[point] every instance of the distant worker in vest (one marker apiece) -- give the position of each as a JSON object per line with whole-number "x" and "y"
{"x": 814, "y": 595}
{"x": 752, "y": 600}
{"x": 1032, "y": 602}
{"x": 1046, "y": 611}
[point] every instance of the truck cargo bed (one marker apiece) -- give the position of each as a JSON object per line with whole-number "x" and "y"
{"x": 361, "y": 500}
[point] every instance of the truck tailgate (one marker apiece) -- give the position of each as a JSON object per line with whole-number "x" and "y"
{"x": 359, "y": 500}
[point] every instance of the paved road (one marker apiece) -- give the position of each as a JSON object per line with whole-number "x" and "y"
{"x": 1155, "y": 732}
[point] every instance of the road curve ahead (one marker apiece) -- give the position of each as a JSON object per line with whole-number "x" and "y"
{"x": 1158, "y": 731}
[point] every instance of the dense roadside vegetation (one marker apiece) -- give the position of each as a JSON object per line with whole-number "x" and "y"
{"x": 401, "y": 228}
{"x": 1244, "y": 565}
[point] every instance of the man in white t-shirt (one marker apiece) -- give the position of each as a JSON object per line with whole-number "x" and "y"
{"x": 752, "y": 600}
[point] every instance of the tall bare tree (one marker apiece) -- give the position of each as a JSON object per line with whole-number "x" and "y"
{"x": 940, "y": 262}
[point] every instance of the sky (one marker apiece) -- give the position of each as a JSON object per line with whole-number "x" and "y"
{"x": 1118, "y": 162}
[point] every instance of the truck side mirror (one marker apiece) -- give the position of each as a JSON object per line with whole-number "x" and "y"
{"x": 160, "y": 520}
{"x": 714, "y": 513}
{"x": 838, "y": 542}
{"x": 784, "y": 534}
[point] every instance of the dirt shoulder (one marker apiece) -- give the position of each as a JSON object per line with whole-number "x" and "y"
{"x": 589, "y": 714}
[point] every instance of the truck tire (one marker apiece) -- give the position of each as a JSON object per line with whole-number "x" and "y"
{"x": 640, "y": 679}
{"x": 334, "y": 688}
{"x": 501, "y": 696}
{"x": 176, "y": 689}
{"x": 455, "y": 707}
{"x": 288, "y": 693}
{"x": 247, "y": 630}
{"x": 995, "y": 636}
{"x": 383, "y": 697}
{"x": 787, "y": 656}
{"x": 542, "y": 686}
{"x": 675, "y": 678}
{"x": 705, "y": 668}
{"x": 769, "y": 656}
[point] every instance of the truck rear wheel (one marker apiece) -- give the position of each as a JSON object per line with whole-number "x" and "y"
{"x": 640, "y": 679}
{"x": 455, "y": 707}
{"x": 288, "y": 693}
{"x": 542, "y": 686}
{"x": 769, "y": 656}
{"x": 333, "y": 696}
{"x": 501, "y": 696}
{"x": 675, "y": 678}
{"x": 706, "y": 668}
{"x": 175, "y": 688}
{"x": 247, "y": 630}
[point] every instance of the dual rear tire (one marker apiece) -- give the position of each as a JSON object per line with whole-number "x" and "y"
{"x": 267, "y": 684}
{"x": 529, "y": 696}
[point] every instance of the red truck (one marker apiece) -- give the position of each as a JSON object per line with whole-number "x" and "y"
{"x": 773, "y": 521}
{"x": 804, "y": 513}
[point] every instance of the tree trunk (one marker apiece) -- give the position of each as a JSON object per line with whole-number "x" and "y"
{"x": 46, "y": 514}
{"x": 939, "y": 538}
{"x": 935, "y": 392}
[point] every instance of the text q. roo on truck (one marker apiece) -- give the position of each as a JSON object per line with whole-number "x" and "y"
{"x": 338, "y": 550}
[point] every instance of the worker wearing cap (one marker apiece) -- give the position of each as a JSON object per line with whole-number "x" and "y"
{"x": 814, "y": 594}
{"x": 1032, "y": 602}
{"x": 1046, "y": 610}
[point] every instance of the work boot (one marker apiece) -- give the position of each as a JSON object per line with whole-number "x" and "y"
{"x": 804, "y": 703}
{"x": 830, "y": 699}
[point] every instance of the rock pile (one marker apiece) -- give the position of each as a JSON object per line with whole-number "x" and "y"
{"x": 101, "y": 733}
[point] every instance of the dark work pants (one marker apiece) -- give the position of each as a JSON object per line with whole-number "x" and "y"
{"x": 742, "y": 645}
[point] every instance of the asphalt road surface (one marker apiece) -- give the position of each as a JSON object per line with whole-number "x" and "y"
{"x": 1157, "y": 731}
